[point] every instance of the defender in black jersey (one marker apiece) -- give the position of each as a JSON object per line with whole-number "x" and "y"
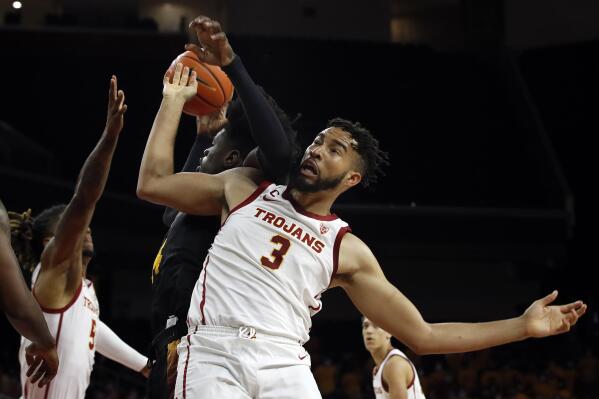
{"x": 179, "y": 261}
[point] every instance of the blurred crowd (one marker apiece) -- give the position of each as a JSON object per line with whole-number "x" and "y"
{"x": 556, "y": 369}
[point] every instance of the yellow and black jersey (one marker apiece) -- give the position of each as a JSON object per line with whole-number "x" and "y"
{"x": 178, "y": 265}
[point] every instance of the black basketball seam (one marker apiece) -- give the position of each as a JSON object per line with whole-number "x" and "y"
{"x": 222, "y": 89}
{"x": 215, "y": 78}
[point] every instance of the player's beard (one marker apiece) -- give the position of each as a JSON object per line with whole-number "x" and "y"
{"x": 304, "y": 185}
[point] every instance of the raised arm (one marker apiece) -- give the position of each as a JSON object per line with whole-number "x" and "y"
{"x": 361, "y": 277}
{"x": 110, "y": 345}
{"x": 193, "y": 193}
{"x": 206, "y": 127}
{"x": 22, "y": 310}
{"x": 90, "y": 186}
{"x": 275, "y": 148}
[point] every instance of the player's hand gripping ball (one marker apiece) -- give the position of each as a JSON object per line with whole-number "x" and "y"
{"x": 214, "y": 87}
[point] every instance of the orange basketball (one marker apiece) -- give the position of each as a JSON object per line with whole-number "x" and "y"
{"x": 214, "y": 87}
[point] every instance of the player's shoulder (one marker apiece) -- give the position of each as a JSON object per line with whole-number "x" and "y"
{"x": 398, "y": 366}
{"x": 353, "y": 246}
{"x": 354, "y": 255}
{"x": 244, "y": 173}
{"x": 240, "y": 183}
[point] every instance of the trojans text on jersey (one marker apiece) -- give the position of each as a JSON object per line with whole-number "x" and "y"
{"x": 292, "y": 229}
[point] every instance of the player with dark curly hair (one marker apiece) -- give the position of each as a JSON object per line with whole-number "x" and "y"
{"x": 280, "y": 248}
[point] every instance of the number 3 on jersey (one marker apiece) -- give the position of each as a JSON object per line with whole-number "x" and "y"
{"x": 277, "y": 255}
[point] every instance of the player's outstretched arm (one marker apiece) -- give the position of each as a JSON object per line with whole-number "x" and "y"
{"x": 276, "y": 150}
{"x": 110, "y": 345}
{"x": 90, "y": 186}
{"x": 207, "y": 126}
{"x": 361, "y": 277}
{"x": 22, "y": 310}
{"x": 157, "y": 182}
{"x": 193, "y": 193}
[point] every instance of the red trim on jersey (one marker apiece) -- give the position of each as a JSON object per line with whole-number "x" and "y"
{"x": 413, "y": 377}
{"x": 298, "y": 208}
{"x": 57, "y": 339}
{"x": 186, "y": 364}
{"x": 64, "y": 308}
{"x": 259, "y": 190}
{"x": 316, "y": 309}
{"x": 342, "y": 231}
{"x": 383, "y": 383}
{"x": 204, "y": 290}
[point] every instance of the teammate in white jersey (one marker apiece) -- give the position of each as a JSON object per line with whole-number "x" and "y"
{"x": 272, "y": 259}
{"x": 61, "y": 238}
{"x": 394, "y": 375}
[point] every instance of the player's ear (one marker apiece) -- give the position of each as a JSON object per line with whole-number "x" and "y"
{"x": 233, "y": 159}
{"x": 352, "y": 178}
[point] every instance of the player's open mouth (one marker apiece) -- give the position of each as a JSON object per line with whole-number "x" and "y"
{"x": 309, "y": 168}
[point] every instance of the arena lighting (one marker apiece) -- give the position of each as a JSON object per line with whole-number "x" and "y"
{"x": 17, "y": 4}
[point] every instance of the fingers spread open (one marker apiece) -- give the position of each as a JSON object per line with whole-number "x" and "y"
{"x": 185, "y": 76}
{"x": 33, "y": 366}
{"x": 38, "y": 374}
{"x": 177, "y": 74}
{"x": 193, "y": 79}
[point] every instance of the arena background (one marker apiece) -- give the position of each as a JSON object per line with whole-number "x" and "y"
{"x": 488, "y": 109}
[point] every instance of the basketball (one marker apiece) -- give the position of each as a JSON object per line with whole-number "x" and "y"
{"x": 214, "y": 87}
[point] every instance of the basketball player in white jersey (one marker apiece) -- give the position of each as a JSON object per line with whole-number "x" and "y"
{"x": 67, "y": 298}
{"x": 394, "y": 375}
{"x": 279, "y": 248}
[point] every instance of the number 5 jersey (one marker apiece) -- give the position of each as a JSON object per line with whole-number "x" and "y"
{"x": 74, "y": 329}
{"x": 268, "y": 266}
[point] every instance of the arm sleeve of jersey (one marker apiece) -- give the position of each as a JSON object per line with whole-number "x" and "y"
{"x": 193, "y": 159}
{"x": 275, "y": 147}
{"x": 110, "y": 345}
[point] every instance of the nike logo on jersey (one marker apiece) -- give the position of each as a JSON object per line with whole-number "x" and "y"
{"x": 291, "y": 229}
{"x": 302, "y": 357}
{"x": 265, "y": 198}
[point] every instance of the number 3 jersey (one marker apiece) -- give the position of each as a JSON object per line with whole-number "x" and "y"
{"x": 268, "y": 266}
{"x": 74, "y": 329}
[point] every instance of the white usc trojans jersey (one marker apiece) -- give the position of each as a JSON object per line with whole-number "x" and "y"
{"x": 268, "y": 266}
{"x": 74, "y": 329}
{"x": 382, "y": 392}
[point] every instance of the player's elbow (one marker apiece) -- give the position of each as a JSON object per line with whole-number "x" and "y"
{"x": 421, "y": 343}
{"x": 146, "y": 189}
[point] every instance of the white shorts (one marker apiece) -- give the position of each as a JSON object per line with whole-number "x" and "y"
{"x": 232, "y": 363}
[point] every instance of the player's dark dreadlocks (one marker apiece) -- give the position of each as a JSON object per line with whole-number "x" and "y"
{"x": 27, "y": 233}
{"x": 372, "y": 156}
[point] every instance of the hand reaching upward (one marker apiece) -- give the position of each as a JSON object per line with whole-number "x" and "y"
{"x": 214, "y": 48}
{"x": 183, "y": 86}
{"x": 116, "y": 109}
